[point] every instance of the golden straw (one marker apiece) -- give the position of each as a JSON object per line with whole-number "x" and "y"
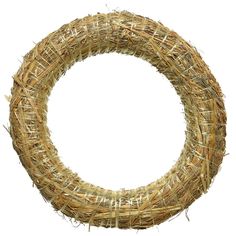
{"x": 126, "y": 33}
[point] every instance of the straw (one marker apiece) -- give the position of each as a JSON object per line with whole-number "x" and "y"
{"x": 126, "y": 33}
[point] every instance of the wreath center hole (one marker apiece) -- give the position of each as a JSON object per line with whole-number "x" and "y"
{"x": 116, "y": 121}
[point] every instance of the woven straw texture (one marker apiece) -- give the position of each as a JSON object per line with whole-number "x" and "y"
{"x": 126, "y": 33}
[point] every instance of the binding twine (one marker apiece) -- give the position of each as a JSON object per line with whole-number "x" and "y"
{"x": 126, "y": 33}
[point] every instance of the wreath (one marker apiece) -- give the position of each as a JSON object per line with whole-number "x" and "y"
{"x": 126, "y": 33}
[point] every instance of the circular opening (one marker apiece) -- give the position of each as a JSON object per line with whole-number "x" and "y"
{"x": 116, "y": 121}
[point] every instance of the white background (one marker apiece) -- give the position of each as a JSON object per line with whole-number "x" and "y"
{"x": 113, "y": 118}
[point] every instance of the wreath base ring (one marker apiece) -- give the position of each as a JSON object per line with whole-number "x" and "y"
{"x": 127, "y": 33}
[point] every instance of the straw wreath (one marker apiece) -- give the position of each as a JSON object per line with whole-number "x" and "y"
{"x": 126, "y": 33}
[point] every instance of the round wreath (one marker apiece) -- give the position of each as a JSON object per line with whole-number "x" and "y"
{"x": 200, "y": 94}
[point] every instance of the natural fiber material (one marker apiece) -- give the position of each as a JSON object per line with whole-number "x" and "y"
{"x": 200, "y": 94}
